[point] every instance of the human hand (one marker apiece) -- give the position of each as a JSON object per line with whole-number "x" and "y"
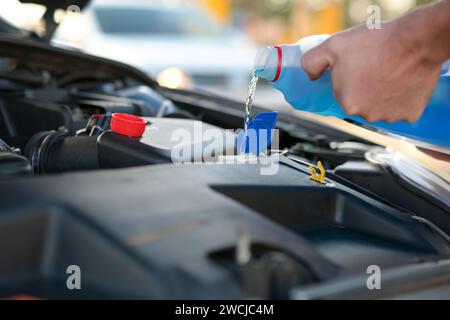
{"x": 384, "y": 74}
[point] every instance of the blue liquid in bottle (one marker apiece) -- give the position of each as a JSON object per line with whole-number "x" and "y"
{"x": 316, "y": 96}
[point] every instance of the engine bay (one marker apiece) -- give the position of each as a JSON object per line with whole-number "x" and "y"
{"x": 140, "y": 226}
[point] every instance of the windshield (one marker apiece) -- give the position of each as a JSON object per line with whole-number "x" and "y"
{"x": 155, "y": 21}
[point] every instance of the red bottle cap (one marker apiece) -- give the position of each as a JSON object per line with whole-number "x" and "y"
{"x": 128, "y": 125}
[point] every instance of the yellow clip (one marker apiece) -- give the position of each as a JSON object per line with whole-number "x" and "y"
{"x": 319, "y": 177}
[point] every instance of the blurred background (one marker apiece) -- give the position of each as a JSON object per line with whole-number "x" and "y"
{"x": 203, "y": 44}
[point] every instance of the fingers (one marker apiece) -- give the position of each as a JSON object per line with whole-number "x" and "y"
{"x": 317, "y": 60}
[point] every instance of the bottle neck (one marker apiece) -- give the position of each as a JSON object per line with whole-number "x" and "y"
{"x": 268, "y": 63}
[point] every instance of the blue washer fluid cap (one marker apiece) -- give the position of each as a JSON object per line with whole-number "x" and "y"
{"x": 260, "y": 134}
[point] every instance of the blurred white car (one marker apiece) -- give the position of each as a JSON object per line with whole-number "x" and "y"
{"x": 177, "y": 44}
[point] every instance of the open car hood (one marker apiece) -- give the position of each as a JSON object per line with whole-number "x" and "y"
{"x": 51, "y": 7}
{"x": 61, "y": 4}
{"x": 185, "y": 231}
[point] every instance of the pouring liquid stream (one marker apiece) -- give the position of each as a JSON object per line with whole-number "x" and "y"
{"x": 248, "y": 104}
{"x": 249, "y": 101}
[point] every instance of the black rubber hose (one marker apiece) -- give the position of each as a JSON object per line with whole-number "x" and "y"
{"x": 54, "y": 152}
{"x": 71, "y": 154}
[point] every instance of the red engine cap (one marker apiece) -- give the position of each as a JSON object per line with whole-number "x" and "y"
{"x": 128, "y": 125}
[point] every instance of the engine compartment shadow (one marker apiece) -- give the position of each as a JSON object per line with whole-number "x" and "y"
{"x": 38, "y": 247}
{"x": 348, "y": 230}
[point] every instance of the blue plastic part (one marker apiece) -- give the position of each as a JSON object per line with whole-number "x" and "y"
{"x": 317, "y": 96}
{"x": 260, "y": 134}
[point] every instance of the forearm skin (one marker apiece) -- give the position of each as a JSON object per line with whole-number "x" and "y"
{"x": 427, "y": 30}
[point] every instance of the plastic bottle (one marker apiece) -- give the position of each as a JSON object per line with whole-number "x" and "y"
{"x": 281, "y": 66}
